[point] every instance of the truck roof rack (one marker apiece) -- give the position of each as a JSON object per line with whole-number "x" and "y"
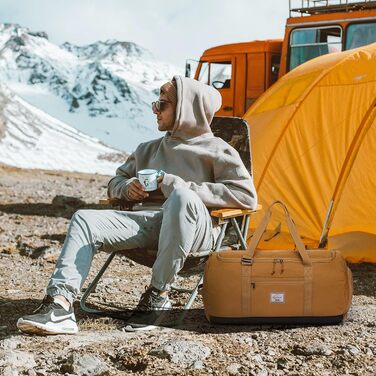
{"x": 311, "y": 7}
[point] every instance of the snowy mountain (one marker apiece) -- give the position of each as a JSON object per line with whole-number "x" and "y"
{"x": 103, "y": 89}
{"x": 29, "y": 138}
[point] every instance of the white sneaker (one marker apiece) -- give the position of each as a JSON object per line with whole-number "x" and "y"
{"x": 49, "y": 318}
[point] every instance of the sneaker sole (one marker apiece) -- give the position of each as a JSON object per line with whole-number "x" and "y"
{"x": 31, "y": 327}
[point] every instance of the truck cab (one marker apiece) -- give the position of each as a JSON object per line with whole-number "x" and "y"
{"x": 243, "y": 71}
{"x": 240, "y": 71}
{"x": 317, "y": 28}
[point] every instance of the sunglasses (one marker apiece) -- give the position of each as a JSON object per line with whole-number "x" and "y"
{"x": 159, "y": 106}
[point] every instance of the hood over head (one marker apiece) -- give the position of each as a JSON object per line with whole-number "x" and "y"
{"x": 195, "y": 107}
{"x": 169, "y": 90}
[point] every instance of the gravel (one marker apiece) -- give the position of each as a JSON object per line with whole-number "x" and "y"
{"x": 32, "y": 231}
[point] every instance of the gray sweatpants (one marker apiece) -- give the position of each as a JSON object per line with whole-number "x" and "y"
{"x": 184, "y": 224}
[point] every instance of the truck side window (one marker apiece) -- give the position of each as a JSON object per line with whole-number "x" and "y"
{"x": 220, "y": 74}
{"x": 358, "y": 35}
{"x": 307, "y": 43}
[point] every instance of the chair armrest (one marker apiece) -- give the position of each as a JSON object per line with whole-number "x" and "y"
{"x": 232, "y": 213}
{"x": 112, "y": 201}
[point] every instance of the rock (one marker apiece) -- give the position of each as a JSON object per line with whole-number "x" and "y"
{"x": 198, "y": 364}
{"x": 249, "y": 341}
{"x": 43, "y": 252}
{"x": 9, "y": 344}
{"x": 314, "y": 349}
{"x": 129, "y": 262}
{"x": 282, "y": 363}
{"x": 50, "y": 254}
{"x": 90, "y": 365}
{"x": 353, "y": 350}
{"x": 67, "y": 202}
{"x": 9, "y": 371}
{"x": 370, "y": 369}
{"x": 17, "y": 359}
{"x": 182, "y": 352}
{"x": 369, "y": 352}
{"x": 41, "y": 372}
{"x": 325, "y": 373}
{"x": 133, "y": 360}
{"x": 257, "y": 359}
{"x": 262, "y": 372}
{"x": 234, "y": 368}
{"x": 85, "y": 365}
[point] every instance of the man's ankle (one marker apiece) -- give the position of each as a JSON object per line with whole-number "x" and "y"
{"x": 163, "y": 293}
{"x": 62, "y": 299}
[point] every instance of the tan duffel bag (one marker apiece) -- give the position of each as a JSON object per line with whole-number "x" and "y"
{"x": 306, "y": 286}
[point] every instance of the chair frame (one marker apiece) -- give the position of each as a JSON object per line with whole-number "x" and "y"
{"x": 235, "y": 131}
{"x": 225, "y": 217}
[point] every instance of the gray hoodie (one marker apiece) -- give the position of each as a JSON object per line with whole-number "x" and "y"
{"x": 191, "y": 155}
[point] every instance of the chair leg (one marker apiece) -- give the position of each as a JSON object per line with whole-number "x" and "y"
{"x": 189, "y": 303}
{"x": 194, "y": 293}
{"x": 246, "y": 227}
{"x": 92, "y": 286}
{"x": 238, "y": 232}
{"x": 221, "y": 236}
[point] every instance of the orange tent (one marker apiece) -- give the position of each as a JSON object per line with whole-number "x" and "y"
{"x": 314, "y": 147}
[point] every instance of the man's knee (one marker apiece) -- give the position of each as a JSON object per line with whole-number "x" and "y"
{"x": 86, "y": 218}
{"x": 88, "y": 223}
{"x": 183, "y": 197}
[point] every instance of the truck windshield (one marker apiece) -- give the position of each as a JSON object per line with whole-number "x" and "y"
{"x": 191, "y": 67}
{"x": 360, "y": 35}
{"x": 307, "y": 43}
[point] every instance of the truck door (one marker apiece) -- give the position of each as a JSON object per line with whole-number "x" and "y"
{"x": 219, "y": 72}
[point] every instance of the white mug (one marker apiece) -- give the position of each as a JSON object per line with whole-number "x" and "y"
{"x": 148, "y": 178}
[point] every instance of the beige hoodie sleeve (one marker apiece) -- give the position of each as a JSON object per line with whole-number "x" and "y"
{"x": 232, "y": 186}
{"x": 125, "y": 174}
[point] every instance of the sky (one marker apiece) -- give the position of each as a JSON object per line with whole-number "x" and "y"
{"x": 173, "y": 30}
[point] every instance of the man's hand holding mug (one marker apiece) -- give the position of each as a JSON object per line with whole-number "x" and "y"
{"x": 148, "y": 180}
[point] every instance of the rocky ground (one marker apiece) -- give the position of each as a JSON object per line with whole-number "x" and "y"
{"x": 33, "y": 223}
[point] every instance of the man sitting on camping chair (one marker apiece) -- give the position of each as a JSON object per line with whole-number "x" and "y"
{"x": 201, "y": 171}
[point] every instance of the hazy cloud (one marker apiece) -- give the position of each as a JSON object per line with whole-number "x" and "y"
{"x": 172, "y": 30}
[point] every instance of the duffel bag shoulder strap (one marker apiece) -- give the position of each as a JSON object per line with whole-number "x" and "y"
{"x": 306, "y": 261}
{"x": 292, "y": 229}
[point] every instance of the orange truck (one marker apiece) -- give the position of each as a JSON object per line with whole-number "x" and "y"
{"x": 243, "y": 71}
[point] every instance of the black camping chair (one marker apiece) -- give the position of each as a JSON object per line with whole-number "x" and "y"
{"x": 235, "y": 131}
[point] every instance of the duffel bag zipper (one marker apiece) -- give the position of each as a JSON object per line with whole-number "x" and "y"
{"x": 278, "y": 261}
{"x": 291, "y": 281}
{"x": 251, "y": 261}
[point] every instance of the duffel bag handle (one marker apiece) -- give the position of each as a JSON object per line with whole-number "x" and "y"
{"x": 292, "y": 228}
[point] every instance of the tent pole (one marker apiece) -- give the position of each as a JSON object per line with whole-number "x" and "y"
{"x": 324, "y": 234}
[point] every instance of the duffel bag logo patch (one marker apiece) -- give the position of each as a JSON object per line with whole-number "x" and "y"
{"x": 277, "y": 297}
